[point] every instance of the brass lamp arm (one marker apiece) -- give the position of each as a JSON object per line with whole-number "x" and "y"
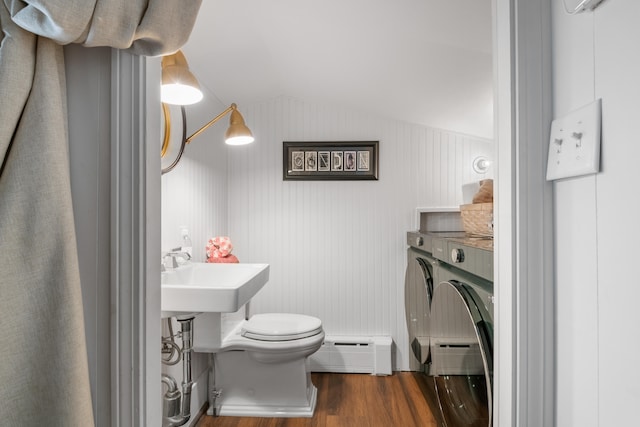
{"x": 215, "y": 119}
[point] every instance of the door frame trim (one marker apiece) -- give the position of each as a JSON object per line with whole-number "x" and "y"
{"x": 135, "y": 243}
{"x": 524, "y": 285}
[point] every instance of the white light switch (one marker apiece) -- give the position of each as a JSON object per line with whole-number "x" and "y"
{"x": 574, "y": 144}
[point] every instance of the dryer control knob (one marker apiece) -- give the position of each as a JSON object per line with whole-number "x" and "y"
{"x": 457, "y": 255}
{"x": 419, "y": 241}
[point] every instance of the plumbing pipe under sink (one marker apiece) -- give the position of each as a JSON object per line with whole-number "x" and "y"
{"x": 177, "y": 405}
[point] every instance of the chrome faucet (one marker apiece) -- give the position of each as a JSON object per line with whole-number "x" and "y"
{"x": 169, "y": 259}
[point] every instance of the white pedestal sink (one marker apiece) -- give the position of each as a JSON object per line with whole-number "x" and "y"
{"x": 210, "y": 288}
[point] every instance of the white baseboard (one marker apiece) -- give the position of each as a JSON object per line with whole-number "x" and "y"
{"x": 353, "y": 354}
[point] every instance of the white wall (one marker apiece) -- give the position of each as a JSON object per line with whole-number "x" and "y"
{"x": 88, "y": 73}
{"x": 194, "y": 193}
{"x": 337, "y": 249}
{"x": 596, "y": 55}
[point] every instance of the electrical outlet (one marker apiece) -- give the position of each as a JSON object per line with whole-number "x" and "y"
{"x": 574, "y": 143}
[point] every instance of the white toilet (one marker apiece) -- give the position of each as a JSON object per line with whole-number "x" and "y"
{"x": 260, "y": 368}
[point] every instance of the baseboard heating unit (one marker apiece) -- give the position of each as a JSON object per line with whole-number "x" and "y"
{"x": 353, "y": 354}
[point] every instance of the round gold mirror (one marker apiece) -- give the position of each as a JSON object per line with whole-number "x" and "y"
{"x": 174, "y": 135}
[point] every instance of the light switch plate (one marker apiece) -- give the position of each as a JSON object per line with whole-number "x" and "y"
{"x": 574, "y": 144}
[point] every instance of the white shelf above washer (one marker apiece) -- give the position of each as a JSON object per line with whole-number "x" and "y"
{"x": 437, "y": 219}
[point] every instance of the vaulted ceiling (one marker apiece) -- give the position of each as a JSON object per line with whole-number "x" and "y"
{"x": 427, "y": 62}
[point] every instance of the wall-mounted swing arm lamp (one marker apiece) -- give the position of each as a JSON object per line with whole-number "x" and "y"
{"x": 180, "y": 87}
{"x": 237, "y": 134}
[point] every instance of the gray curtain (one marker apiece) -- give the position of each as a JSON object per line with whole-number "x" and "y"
{"x": 44, "y": 377}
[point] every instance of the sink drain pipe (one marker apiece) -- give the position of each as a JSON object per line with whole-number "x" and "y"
{"x": 177, "y": 405}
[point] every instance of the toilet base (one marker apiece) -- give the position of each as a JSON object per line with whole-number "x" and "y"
{"x": 250, "y": 388}
{"x": 231, "y": 410}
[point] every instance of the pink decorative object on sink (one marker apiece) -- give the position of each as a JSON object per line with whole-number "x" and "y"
{"x": 219, "y": 250}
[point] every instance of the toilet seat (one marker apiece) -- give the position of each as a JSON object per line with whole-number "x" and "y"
{"x": 281, "y": 327}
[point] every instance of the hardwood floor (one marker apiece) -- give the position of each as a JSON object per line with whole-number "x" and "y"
{"x": 352, "y": 400}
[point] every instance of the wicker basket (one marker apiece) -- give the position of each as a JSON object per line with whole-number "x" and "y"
{"x": 477, "y": 219}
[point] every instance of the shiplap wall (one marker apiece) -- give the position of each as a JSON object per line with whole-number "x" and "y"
{"x": 337, "y": 248}
{"x": 194, "y": 193}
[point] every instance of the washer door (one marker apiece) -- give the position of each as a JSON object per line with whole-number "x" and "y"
{"x": 418, "y": 292}
{"x": 462, "y": 356}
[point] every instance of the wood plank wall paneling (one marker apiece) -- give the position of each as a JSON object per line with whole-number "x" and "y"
{"x": 194, "y": 193}
{"x": 337, "y": 249}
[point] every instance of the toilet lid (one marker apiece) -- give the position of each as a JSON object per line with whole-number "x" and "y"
{"x": 281, "y": 327}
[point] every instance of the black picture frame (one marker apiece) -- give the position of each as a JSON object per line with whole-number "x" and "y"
{"x": 335, "y": 160}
